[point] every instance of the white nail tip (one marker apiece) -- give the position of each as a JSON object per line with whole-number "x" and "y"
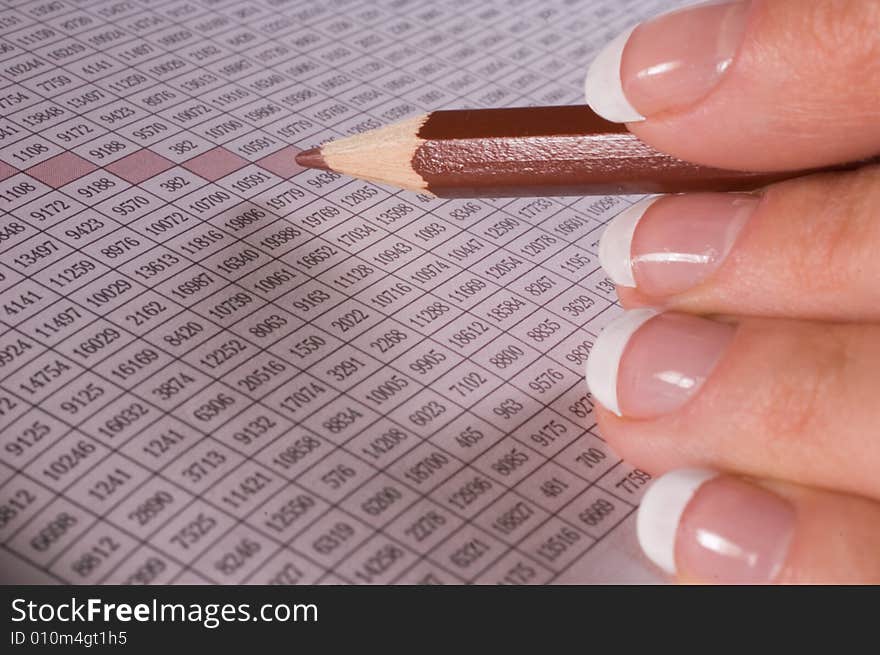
{"x": 604, "y": 90}
{"x": 606, "y": 353}
{"x": 661, "y": 510}
{"x": 615, "y": 246}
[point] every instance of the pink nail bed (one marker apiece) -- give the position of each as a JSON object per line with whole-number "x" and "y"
{"x": 678, "y": 58}
{"x": 702, "y": 526}
{"x": 646, "y": 364}
{"x": 681, "y": 240}
{"x": 667, "y": 361}
{"x": 733, "y": 532}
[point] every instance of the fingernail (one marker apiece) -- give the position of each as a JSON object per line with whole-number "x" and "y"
{"x": 669, "y": 62}
{"x": 668, "y": 244}
{"x": 705, "y": 527}
{"x": 645, "y": 364}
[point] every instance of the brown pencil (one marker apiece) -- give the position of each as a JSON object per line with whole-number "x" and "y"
{"x": 529, "y": 151}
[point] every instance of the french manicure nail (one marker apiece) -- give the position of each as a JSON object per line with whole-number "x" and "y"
{"x": 669, "y": 62}
{"x": 665, "y": 245}
{"x": 707, "y": 527}
{"x": 645, "y": 364}
{"x": 615, "y": 245}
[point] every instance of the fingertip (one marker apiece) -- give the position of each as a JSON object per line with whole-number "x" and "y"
{"x": 615, "y": 245}
{"x": 606, "y": 353}
{"x": 661, "y": 510}
{"x": 749, "y": 86}
{"x": 603, "y": 88}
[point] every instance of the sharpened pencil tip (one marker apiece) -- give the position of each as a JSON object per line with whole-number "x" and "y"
{"x": 311, "y": 158}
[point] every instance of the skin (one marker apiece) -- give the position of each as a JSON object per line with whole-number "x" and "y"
{"x": 802, "y": 283}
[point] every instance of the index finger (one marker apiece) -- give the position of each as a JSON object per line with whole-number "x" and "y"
{"x": 760, "y": 85}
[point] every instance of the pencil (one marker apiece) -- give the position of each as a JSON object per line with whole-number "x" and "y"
{"x": 528, "y": 151}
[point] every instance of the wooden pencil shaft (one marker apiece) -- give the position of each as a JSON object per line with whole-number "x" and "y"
{"x": 529, "y": 151}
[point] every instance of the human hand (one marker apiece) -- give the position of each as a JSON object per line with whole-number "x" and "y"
{"x": 764, "y": 361}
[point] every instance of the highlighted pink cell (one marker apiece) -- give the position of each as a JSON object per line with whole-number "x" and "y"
{"x": 61, "y": 169}
{"x": 139, "y": 166}
{"x": 6, "y": 170}
{"x": 214, "y": 164}
{"x": 282, "y": 163}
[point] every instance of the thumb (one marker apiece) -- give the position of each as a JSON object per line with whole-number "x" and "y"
{"x": 749, "y": 84}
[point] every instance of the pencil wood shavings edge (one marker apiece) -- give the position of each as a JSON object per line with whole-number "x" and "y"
{"x": 387, "y": 165}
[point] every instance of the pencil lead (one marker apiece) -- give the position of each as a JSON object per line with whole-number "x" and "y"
{"x": 311, "y": 158}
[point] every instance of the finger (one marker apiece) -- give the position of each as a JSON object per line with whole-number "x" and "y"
{"x": 705, "y": 527}
{"x": 768, "y": 398}
{"x": 760, "y": 85}
{"x": 806, "y": 248}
